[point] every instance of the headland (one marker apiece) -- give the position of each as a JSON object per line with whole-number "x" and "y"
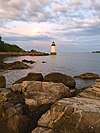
{"x": 7, "y": 49}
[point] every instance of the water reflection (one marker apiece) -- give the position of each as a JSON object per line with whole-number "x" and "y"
{"x": 72, "y": 64}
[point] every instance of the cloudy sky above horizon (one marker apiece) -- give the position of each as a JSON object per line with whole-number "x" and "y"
{"x": 33, "y": 24}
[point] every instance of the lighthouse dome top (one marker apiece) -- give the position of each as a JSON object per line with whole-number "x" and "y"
{"x": 53, "y": 44}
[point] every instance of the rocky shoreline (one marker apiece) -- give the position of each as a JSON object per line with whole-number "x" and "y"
{"x": 23, "y": 54}
{"x": 50, "y": 104}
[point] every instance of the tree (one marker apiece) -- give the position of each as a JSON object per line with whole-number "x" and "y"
{"x": 0, "y": 38}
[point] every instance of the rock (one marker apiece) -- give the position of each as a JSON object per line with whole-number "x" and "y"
{"x": 42, "y": 130}
{"x": 13, "y": 66}
{"x": 73, "y": 92}
{"x": 33, "y": 104}
{"x": 18, "y": 65}
{"x": 23, "y": 53}
{"x": 91, "y": 92}
{"x": 3, "y": 95}
{"x": 71, "y": 115}
{"x": 26, "y": 103}
{"x": 60, "y": 78}
{"x": 89, "y": 76}
{"x": 14, "y": 114}
{"x": 43, "y": 62}
{"x": 43, "y": 92}
{"x": 16, "y": 122}
{"x": 2, "y": 82}
{"x": 2, "y": 65}
{"x": 16, "y": 98}
{"x": 28, "y": 61}
{"x": 1, "y": 61}
{"x": 31, "y": 77}
{"x": 39, "y": 96}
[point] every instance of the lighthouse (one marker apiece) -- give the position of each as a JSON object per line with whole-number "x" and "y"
{"x": 53, "y": 49}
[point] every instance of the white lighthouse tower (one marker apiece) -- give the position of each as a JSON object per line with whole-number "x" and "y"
{"x": 53, "y": 49}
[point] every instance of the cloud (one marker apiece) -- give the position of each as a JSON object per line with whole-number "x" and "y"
{"x": 16, "y": 37}
{"x": 46, "y": 10}
{"x": 51, "y": 11}
{"x": 65, "y": 21}
{"x": 23, "y": 10}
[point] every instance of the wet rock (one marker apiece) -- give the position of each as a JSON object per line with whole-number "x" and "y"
{"x": 72, "y": 115}
{"x": 2, "y": 82}
{"x": 89, "y": 76}
{"x": 18, "y": 65}
{"x": 13, "y": 66}
{"x": 31, "y": 77}
{"x": 60, "y": 78}
{"x": 91, "y": 92}
{"x": 28, "y": 61}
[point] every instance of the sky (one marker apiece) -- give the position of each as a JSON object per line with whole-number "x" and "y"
{"x": 74, "y": 25}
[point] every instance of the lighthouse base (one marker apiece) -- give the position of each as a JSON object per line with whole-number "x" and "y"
{"x": 53, "y": 53}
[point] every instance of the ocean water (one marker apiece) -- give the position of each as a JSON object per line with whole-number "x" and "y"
{"x": 72, "y": 64}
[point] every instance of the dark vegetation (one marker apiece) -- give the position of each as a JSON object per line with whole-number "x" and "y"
{"x": 5, "y": 47}
{"x": 13, "y": 50}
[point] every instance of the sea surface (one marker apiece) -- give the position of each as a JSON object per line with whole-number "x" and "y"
{"x": 72, "y": 64}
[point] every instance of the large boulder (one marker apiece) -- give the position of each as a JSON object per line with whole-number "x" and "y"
{"x": 2, "y": 82}
{"x": 31, "y": 77}
{"x": 13, "y": 65}
{"x": 60, "y": 78}
{"x": 74, "y": 115}
{"x": 43, "y": 92}
{"x": 89, "y": 76}
{"x": 92, "y": 91}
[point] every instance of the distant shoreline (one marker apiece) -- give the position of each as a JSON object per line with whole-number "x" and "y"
{"x": 96, "y": 52}
{"x": 23, "y": 54}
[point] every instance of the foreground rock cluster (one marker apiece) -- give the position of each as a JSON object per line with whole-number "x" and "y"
{"x": 35, "y": 104}
{"x": 71, "y": 115}
{"x": 26, "y": 102}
